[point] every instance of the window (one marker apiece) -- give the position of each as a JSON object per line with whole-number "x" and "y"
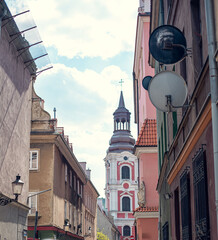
{"x": 34, "y": 160}
{"x": 81, "y": 190}
{"x": 126, "y": 231}
{"x": 185, "y": 206}
{"x": 202, "y": 226}
{"x": 32, "y": 203}
{"x": 78, "y": 185}
{"x": 165, "y": 230}
{"x": 197, "y": 51}
{"x": 125, "y": 172}
{"x": 174, "y": 123}
{"x": 65, "y": 172}
{"x": 177, "y": 214}
{"x": 70, "y": 214}
{"x": 74, "y": 181}
{"x": 65, "y": 209}
{"x": 125, "y": 204}
{"x": 71, "y": 178}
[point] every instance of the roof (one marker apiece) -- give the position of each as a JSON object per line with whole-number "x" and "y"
{"x": 148, "y": 134}
{"x": 121, "y": 107}
{"x": 121, "y": 103}
{"x": 146, "y": 209}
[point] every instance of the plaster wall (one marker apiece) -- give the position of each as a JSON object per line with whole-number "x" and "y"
{"x": 147, "y": 228}
{"x": 103, "y": 224}
{"x": 42, "y": 179}
{"x": 90, "y": 204}
{"x": 15, "y": 113}
{"x": 146, "y": 108}
{"x": 148, "y": 173}
{"x": 17, "y": 217}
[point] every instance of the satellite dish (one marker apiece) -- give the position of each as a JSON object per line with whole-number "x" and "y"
{"x": 167, "y": 44}
{"x": 145, "y": 82}
{"x": 167, "y": 91}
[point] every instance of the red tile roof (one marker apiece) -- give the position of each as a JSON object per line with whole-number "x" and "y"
{"x": 146, "y": 209}
{"x": 148, "y": 134}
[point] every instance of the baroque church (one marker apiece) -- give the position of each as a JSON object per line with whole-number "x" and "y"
{"x": 122, "y": 174}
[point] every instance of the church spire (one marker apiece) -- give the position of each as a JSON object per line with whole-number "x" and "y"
{"x": 122, "y": 139}
{"x": 121, "y": 102}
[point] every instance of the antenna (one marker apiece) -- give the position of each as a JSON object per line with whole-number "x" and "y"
{"x": 167, "y": 91}
{"x": 167, "y": 44}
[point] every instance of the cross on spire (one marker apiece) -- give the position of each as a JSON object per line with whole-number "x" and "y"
{"x": 121, "y": 83}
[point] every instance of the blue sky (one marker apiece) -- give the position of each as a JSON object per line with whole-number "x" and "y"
{"x": 91, "y": 47}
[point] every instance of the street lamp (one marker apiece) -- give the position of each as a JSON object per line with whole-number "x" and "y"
{"x": 17, "y": 187}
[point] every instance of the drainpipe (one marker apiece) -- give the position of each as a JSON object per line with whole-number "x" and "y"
{"x": 214, "y": 89}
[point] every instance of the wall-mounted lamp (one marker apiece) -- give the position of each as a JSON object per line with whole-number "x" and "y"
{"x": 17, "y": 187}
{"x": 90, "y": 230}
{"x": 167, "y": 196}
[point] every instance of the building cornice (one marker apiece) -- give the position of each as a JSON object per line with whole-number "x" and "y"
{"x": 138, "y": 215}
{"x": 141, "y": 150}
{"x": 42, "y": 137}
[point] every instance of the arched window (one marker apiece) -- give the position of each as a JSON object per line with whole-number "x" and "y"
{"x": 125, "y": 204}
{"x": 126, "y": 231}
{"x": 125, "y": 172}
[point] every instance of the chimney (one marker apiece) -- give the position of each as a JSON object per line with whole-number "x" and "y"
{"x": 88, "y": 173}
{"x": 83, "y": 165}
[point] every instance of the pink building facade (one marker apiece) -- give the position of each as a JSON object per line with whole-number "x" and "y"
{"x": 147, "y": 214}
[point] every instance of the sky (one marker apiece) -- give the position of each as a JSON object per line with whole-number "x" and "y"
{"x": 90, "y": 44}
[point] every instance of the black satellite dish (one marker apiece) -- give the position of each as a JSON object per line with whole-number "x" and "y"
{"x": 167, "y": 44}
{"x": 145, "y": 82}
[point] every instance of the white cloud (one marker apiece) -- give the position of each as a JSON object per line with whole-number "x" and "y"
{"x": 86, "y": 28}
{"x": 85, "y": 102}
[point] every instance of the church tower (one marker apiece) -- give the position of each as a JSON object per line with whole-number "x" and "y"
{"x": 122, "y": 173}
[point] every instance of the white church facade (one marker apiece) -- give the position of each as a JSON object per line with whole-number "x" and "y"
{"x": 122, "y": 174}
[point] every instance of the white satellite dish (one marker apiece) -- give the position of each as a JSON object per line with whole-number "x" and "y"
{"x": 167, "y": 91}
